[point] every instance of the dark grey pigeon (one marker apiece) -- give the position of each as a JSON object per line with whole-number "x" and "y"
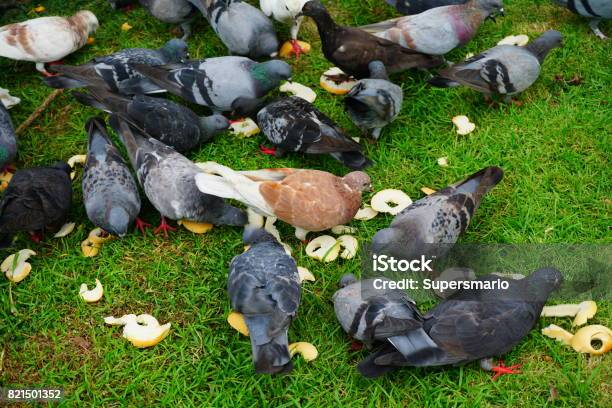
{"x": 114, "y": 71}
{"x": 373, "y": 315}
{"x": 473, "y": 325}
{"x": 502, "y": 70}
{"x": 374, "y": 102}
{"x": 110, "y": 193}
{"x": 167, "y": 121}
{"x": 293, "y": 124}
{"x": 596, "y": 10}
{"x": 168, "y": 181}
{"x": 435, "y": 219}
{"x": 264, "y": 285}
{"x": 244, "y": 29}
{"x": 8, "y": 139}
{"x": 218, "y": 82}
{"x": 37, "y": 201}
{"x": 408, "y": 7}
{"x": 172, "y": 12}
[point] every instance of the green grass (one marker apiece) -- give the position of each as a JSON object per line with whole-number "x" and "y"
{"x": 555, "y": 150}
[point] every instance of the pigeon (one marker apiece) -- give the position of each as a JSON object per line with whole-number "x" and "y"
{"x": 435, "y": 222}
{"x": 596, "y": 10}
{"x": 352, "y": 49}
{"x": 46, "y": 39}
{"x": 122, "y": 4}
{"x": 505, "y": 69}
{"x": 373, "y": 315}
{"x": 472, "y": 325}
{"x": 286, "y": 12}
{"x": 167, "y": 121}
{"x": 264, "y": 286}
{"x": 408, "y": 7}
{"x": 244, "y": 29}
{"x": 218, "y": 82}
{"x": 172, "y": 12}
{"x": 439, "y": 30}
{"x": 110, "y": 193}
{"x": 114, "y": 71}
{"x": 8, "y": 139}
{"x": 294, "y": 124}
{"x": 167, "y": 178}
{"x": 374, "y": 102}
{"x": 309, "y": 200}
{"x": 36, "y": 200}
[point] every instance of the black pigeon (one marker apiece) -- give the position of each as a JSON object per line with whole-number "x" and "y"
{"x": 36, "y": 200}
{"x": 168, "y": 181}
{"x": 264, "y": 286}
{"x": 172, "y": 12}
{"x": 435, "y": 222}
{"x": 218, "y": 82}
{"x": 409, "y": 7}
{"x": 167, "y": 121}
{"x": 502, "y": 70}
{"x": 114, "y": 71}
{"x": 352, "y": 49}
{"x": 110, "y": 193}
{"x": 295, "y": 125}
{"x": 473, "y": 324}
{"x": 8, "y": 140}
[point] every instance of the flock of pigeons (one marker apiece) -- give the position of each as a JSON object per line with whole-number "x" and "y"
{"x": 264, "y": 284}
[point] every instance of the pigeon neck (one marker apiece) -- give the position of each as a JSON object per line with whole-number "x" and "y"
{"x": 325, "y": 24}
{"x": 539, "y": 48}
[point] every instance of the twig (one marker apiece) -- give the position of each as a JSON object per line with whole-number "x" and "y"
{"x": 38, "y": 111}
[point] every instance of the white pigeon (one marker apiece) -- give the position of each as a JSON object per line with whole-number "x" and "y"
{"x": 46, "y": 39}
{"x": 286, "y": 12}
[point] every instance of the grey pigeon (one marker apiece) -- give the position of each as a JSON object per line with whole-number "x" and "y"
{"x": 37, "y": 200}
{"x": 505, "y": 69}
{"x": 218, "y": 82}
{"x": 473, "y": 325}
{"x": 114, "y": 71}
{"x": 168, "y": 181}
{"x": 8, "y": 139}
{"x": 596, "y": 10}
{"x": 435, "y": 219}
{"x": 439, "y": 30}
{"x": 110, "y": 193}
{"x": 408, "y": 7}
{"x": 373, "y": 315}
{"x": 244, "y": 29}
{"x": 167, "y": 121}
{"x": 172, "y": 12}
{"x": 352, "y": 49}
{"x": 295, "y": 125}
{"x": 264, "y": 286}
{"x": 374, "y": 102}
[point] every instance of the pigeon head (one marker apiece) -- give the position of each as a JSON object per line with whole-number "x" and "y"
{"x": 254, "y": 235}
{"x": 492, "y": 8}
{"x": 211, "y": 125}
{"x": 294, "y": 7}
{"x": 314, "y": 9}
{"x": 175, "y": 50}
{"x": 378, "y": 70}
{"x": 118, "y": 222}
{"x": 85, "y": 21}
{"x": 347, "y": 279}
{"x": 269, "y": 74}
{"x": 542, "y": 45}
{"x": 247, "y": 107}
{"x": 369, "y": 103}
{"x": 549, "y": 278}
{"x": 60, "y": 165}
{"x": 358, "y": 180}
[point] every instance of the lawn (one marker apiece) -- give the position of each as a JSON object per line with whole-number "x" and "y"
{"x": 555, "y": 151}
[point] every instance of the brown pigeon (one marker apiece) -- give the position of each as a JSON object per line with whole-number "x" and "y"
{"x": 310, "y": 200}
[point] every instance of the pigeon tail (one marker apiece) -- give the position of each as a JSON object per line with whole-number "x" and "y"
{"x": 232, "y": 216}
{"x": 418, "y": 348}
{"x": 441, "y": 82}
{"x": 352, "y": 160}
{"x": 270, "y": 353}
{"x": 63, "y": 82}
{"x": 103, "y": 99}
{"x": 159, "y": 77}
{"x": 368, "y": 367}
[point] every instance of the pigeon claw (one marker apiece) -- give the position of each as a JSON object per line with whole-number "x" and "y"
{"x": 163, "y": 227}
{"x": 267, "y": 150}
{"x": 356, "y": 346}
{"x": 502, "y": 369}
{"x": 141, "y": 225}
{"x": 297, "y": 50}
{"x": 36, "y": 237}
